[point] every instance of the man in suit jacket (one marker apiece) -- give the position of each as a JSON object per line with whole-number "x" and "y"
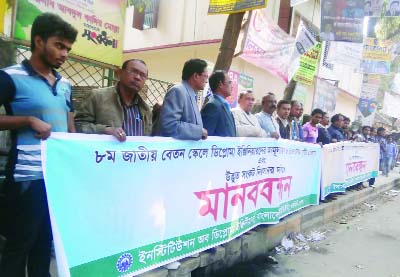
{"x": 247, "y": 124}
{"x": 180, "y": 115}
{"x": 216, "y": 114}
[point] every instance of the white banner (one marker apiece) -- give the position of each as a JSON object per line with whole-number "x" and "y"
{"x": 346, "y": 53}
{"x": 347, "y": 163}
{"x": 126, "y": 208}
{"x": 391, "y": 105}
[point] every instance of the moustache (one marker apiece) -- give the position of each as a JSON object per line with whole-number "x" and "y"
{"x": 273, "y": 106}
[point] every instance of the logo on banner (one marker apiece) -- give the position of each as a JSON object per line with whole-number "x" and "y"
{"x": 124, "y": 262}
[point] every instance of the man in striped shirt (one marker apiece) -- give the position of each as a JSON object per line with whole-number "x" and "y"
{"x": 119, "y": 110}
{"x": 37, "y": 101}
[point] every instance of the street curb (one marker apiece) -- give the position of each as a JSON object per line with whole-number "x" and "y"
{"x": 263, "y": 238}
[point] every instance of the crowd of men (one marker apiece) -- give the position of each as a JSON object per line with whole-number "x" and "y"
{"x": 38, "y": 101}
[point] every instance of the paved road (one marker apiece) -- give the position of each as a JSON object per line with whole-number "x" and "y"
{"x": 366, "y": 243}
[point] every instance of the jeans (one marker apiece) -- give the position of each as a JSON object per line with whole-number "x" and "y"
{"x": 384, "y": 165}
{"x": 27, "y": 229}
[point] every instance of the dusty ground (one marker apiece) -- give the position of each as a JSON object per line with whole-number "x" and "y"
{"x": 364, "y": 241}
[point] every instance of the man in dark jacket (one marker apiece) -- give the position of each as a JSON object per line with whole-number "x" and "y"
{"x": 216, "y": 114}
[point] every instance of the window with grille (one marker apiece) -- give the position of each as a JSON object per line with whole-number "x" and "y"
{"x": 147, "y": 18}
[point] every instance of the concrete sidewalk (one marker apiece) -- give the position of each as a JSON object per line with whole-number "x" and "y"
{"x": 263, "y": 238}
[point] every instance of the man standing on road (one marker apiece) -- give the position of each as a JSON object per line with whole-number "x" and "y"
{"x": 119, "y": 110}
{"x": 180, "y": 115}
{"x": 38, "y": 101}
{"x": 216, "y": 114}
{"x": 265, "y": 118}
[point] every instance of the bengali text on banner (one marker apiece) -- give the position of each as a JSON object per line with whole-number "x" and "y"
{"x": 126, "y": 208}
{"x": 345, "y": 164}
{"x": 234, "y": 6}
{"x": 100, "y": 25}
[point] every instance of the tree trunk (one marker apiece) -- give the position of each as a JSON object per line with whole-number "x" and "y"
{"x": 229, "y": 41}
{"x": 289, "y": 90}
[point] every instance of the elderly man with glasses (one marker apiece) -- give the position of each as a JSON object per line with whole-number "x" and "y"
{"x": 118, "y": 110}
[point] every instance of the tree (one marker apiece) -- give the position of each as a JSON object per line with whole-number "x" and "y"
{"x": 229, "y": 41}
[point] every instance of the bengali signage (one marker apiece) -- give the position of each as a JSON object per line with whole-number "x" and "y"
{"x": 377, "y": 55}
{"x": 126, "y": 208}
{"x": 234, "y": 6}
{"x": 267, "y": 46}
{"x": 308, "y": 65}
{"x": 342, "y": 20}
{"x": 100, "y": 25}
{"x": 345, "y": 164}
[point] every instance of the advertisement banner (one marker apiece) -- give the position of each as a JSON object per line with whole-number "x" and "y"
{"x": 325, "y": 96}
{"x": 126, "y": 208}
{"x": 377, "y": 55}
{"x": 346, "y": 53}
{"x": 3, "y": 7}
{"x": 305, "y": 40}
{"x": 100, "y": 25}
{"x": 308, "y": 65}
{"x": 373, "y": 7}
{"x": 240, "y": 83}
{"x": 235, "y": 6}
{"x": 342, "y": 20}
{"x": 368, "y": 103}
{"x": 391, "y": 104}
{"x": 267, "y": 46}
{"x": 359, "y": 162}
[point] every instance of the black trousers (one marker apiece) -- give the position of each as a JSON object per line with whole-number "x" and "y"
{"x": 27, "y": 229}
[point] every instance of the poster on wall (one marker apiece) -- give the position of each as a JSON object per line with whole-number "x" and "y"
{"x": 100, "y": 25}
{"x": 373, "y": 7}
{"x": 240, "y": 83}
{"x": 235, "y": 6}
{"x": 377, "y": 55}
{"x": 342, "y": 20}
{"x": 325, "y": 96}
{"x": 368, "y": 103}
{"x": 267, "y": 46}
{"x": 393, "y": 8}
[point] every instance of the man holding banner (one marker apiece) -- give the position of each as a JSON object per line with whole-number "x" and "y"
{"x": 38, "y": 102}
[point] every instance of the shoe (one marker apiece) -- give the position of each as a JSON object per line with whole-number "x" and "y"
{"x": 372, "y": 186}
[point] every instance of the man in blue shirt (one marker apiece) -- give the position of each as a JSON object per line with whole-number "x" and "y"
{"x": 37, "y": 101}
{"x": 335, "y": 130}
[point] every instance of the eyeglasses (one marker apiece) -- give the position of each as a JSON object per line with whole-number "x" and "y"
{"x": 136, "y": 72}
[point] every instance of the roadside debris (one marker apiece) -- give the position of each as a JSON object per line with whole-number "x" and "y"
{"x": 295, "y": 243}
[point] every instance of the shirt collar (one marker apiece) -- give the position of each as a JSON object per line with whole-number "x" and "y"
{"x": 221, "y": 98}
{"x": 32, "y": 72}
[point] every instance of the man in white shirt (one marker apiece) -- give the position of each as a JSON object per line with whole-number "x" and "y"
{"x": 247, "y": 123}
{"x": 265, "y": 118}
